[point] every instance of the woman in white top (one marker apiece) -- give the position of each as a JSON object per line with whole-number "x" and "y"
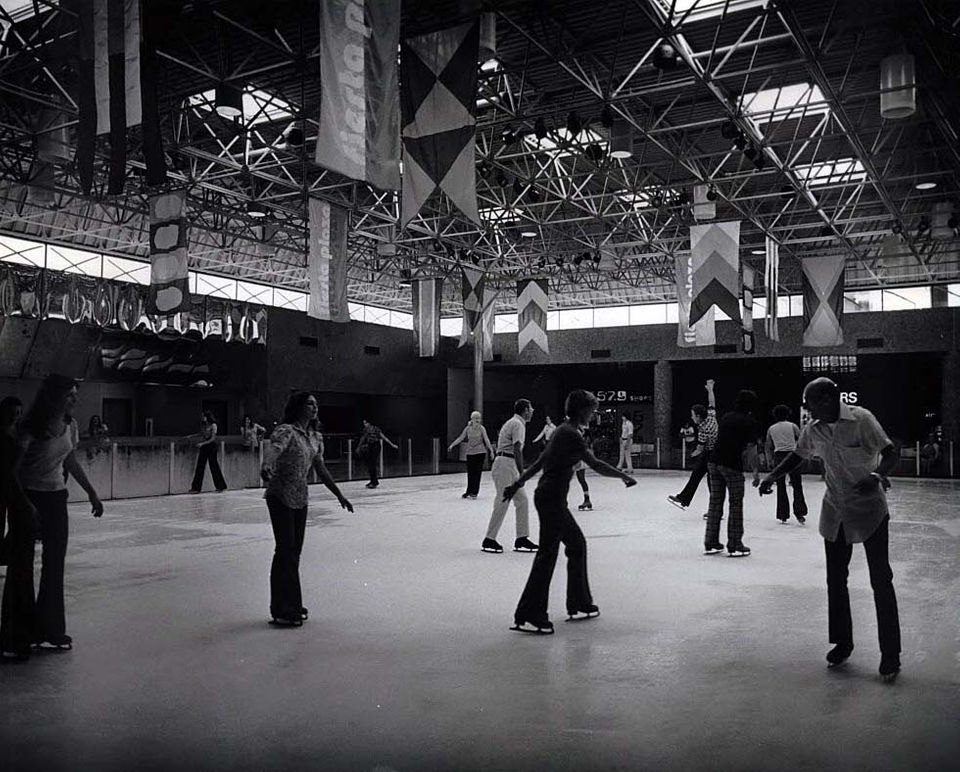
{"x": 781, "y": 441}
{"x": 546, "y": 432}
{"x": 47, "y": 443}
{"x": 478, "y": 448}
{"x": 208, "y": 453}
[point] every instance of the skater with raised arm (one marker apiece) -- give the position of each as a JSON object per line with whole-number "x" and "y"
{"x": 507, "y": 467}
{"x": 857, "y": 455}
{"x": 705, "y": 420}
{"x": 566, "y": 449}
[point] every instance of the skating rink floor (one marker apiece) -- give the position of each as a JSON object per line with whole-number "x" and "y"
{"x": 407, "y": 661}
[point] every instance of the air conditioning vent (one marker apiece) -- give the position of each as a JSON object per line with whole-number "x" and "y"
{"x": 373, "y": 351}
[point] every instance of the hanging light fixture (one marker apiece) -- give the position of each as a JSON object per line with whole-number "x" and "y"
{"x": 508, "y": 135}
{"x": 228, "y": 100}
{"x": 488, "y": 36}
{"x": 621, "y": 140}
{"x": 293, "y": 135}
{"x": 606, "y": 116}
{"x": 898, "y": 87}
{"x": 574, "y": 124}
{"x": 597, "y": 257}
{"x": 665, "y": 57}
{"x": 257, "y": 209}
{"x": 594, "y": 152}
{"x": 540, "y": 128}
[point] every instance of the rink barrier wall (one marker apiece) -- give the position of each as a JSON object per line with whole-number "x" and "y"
{"x": 159, "y": 466}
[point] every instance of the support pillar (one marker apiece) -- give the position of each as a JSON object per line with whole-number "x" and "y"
{"x": 663, "y": 409}
{"x": 949, "y": 389}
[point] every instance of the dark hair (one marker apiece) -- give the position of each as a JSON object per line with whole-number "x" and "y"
{"x": 90, "y": 425}
{"x": 700, "y": 410}
{"x": 781, "y": 412}
{"x": 51, "y": 391}
{"x": 745, "y": 401}
{"x": 577, "y": 401}
{"x": 294, "y": 406}
{"x": 208, "y": 417}
{"x": 7, "y": 406}
{"x": 521, "y": 405}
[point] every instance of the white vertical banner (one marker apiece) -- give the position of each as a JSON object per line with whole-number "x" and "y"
{"x": 771, "y": 281}
{"x": 318, "y": 259}
{"x": 703, "y": 333}
{"x": 749, "y": 344}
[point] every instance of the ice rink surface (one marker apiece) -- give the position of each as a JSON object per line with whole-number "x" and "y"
{"x": 407, "y": 663}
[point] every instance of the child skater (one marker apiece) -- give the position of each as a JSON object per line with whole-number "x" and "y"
{"x": 566, "y": 448}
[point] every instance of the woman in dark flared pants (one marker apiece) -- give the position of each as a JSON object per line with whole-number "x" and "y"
{"x": 566, "y": 447}
{"x": 208, "y": 455}
{"x": 369, "y": 450}
{"x": 294, "y": 448}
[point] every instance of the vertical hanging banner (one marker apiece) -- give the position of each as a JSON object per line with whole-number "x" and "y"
{"x": 327, "y": 262}
{"x": 715, "y": 265}
{"x": 822, "y": 300}
{"x": 532, "y": 299}
{"x": 489, "y": 298}
{"x": 359, "y": 134}
{"x": 749, "y": 344}
{"x": 473, "y": 297}
{"x": 771, "y": 280}
{"x": 109, "y": 47}
{"x": 169, "y": 285}
{"x": 427, "y": 294}
{"x": 703, "y": 333}
{"x": 438, "y": 96}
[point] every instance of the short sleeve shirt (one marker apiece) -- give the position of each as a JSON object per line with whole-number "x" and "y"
{"x": 513, "y": 430}
{"x": 849, "y": 450}
{"x": 41, "y": 467}
{"x": 783, "y": 436}
{"x": 707, "y": 429}
{"x": 291, "y": 453}
{"x": 626, "y": 430}
{"x": 566, "y": 448}
{"x": 734, "y": 432}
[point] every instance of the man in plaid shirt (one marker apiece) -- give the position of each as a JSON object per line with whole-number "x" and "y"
{"x": 705, "y": 419}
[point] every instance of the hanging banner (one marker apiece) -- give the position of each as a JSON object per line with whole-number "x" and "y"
{"x": 489, "y": 299}
{"x": 749, "y": 346}
{"x": 327, "y": 262}
{"x": 472, "y": 291}
{"x": 169, "y": 279}
{"x": 438, "y": 96}
{"x": 703, "y": 333}
{"x": 427, "y": 294}
{"x": 771, "y": 280}
{"x": 359, "y": 133}
{"x": 823, "y": 300}
{"x": 532, "y": 298}
{"x": 715, "y": 265}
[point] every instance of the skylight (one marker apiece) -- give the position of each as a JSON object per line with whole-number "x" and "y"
{"x": 19, "y": 9}
{"x": 642, "y": 199}
{"x": 497, "y": 215}
{"x": 258, "y": 106}
{"x": 831, "y": 172}
{"x": 783, "y": 103}
{"x": 557, "y": 141}
{"x": 705, "y": 9}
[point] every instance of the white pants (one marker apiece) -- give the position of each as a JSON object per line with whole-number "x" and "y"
{"x": 504, "y": 473}
{"x": 626, "y": 455}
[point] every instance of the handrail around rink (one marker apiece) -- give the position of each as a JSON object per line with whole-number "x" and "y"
{"x": 129, "y": 467}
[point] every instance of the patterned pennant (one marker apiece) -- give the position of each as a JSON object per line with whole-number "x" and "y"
{"x": 771, "y": 278}
{"x": 532, "y": 300}
{"x": 473, "y": 298}
{"x": 327, "y": 262}
{"x": 704, "y": 332}
{"x": 169, "y": 279}
{"x": 427, "y": 294}
{"x": 748, "y": 341}
{"x": 489, "y": 298}
{"x": 438, "y": 82}
{"x": 715, "y": 264}
{"x": 822, "y": 300}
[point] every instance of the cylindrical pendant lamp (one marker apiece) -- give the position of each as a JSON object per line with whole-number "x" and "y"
{"x": 621, "y": 140}
{"x": 898, "y": 86}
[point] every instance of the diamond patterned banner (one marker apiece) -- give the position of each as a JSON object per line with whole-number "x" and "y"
{"x": 822, "y": 300}
{"x": 715, "y": 264}
{"x": 473, "y": 297}
{"x": 532, "y": 298}
{"x": 489, "y": 297}
{"x": 438, "y": 76}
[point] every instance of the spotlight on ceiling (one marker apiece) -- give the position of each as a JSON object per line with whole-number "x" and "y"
{"x": 750, "y": 151}
{"x": 729, "y": 130}
{"x": 406, "y": 277}
{"x": 257, "y": 209}
{"x": 293, "y": 135}
{"x": 594, "y": 152}
{"x": 528, "y": 234}
{"x": 540, "y": 128}
{"x": 541, "y": 262}
{"x": 508, "y": 135}
{"x": 758, "y": 251}
{"x": 574, "y": 124}
{"x": 665, "y": 57}
{"x": 578, "y": 258}
{"x": 656, "y": 200}
{"x": 484, "y": 169}
{"x": 740, "y": 142}
{"x": 712, "y": 193}
{"x": 597, "y": 257}
{"x": 606, "y": 116}
{"x": 228, "y": 100}
{"x": 559, "y": 261}
{"x": 475, "y": 258}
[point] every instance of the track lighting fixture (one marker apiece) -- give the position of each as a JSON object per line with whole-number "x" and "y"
{"x": 508, "y": 135}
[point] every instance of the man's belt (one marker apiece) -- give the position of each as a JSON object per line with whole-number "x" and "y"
{"x": 505, "y": 453}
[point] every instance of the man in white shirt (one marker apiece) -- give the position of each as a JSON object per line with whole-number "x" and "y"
{"x": 507, "y": 468}
{"x": 781, "y": 442}
{"x": 626, "y": 445}
{"x": 849, "y": 440}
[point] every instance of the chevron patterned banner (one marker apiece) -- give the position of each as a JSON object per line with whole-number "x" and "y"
{"x": 438, "y": 97}
{"x": 771, "y": 279}
{"x": 715, "y": 265}
{"x": 749, "y": 344}
{"x": 532, "y": 295}
{"x": 822, "y": 301}
{"x": 489, "y": 296}
{"x": 427, "y": 294}
{"x": 473, "y": 298}
{"x": 704, "y": 332}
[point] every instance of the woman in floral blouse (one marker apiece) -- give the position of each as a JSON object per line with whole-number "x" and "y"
{"x": 295, "y": 446}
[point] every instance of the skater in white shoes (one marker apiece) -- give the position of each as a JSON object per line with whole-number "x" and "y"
{"x": 857, "y": 456}
{"x": 566, "y": 449}
{"x": 581, "y": 472}
{"x": 507, "y": 467}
